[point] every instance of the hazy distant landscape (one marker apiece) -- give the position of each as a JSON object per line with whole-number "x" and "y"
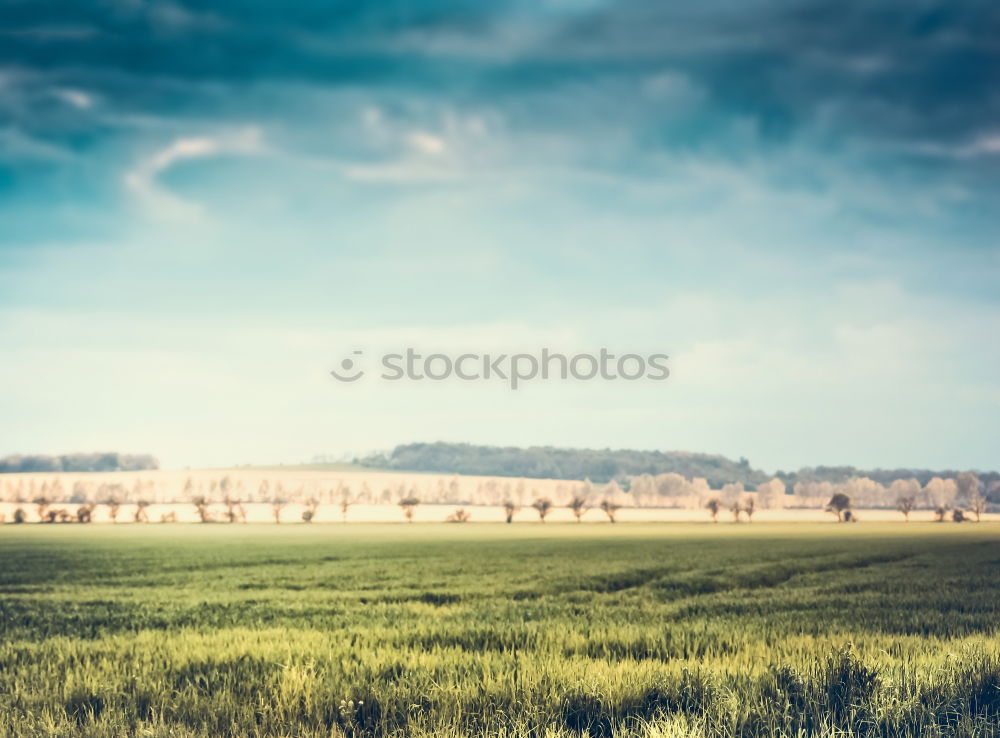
{"x": 453, "y": 482}
{"x": 605, "y": 465}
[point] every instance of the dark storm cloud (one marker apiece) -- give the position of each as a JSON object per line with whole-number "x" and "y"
{"x": 322, "y": 42}
{"x": 911, "y": 70}
{"x": 915, "y": 71}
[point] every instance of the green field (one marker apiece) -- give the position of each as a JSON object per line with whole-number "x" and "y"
{"x": 494, "y": 630}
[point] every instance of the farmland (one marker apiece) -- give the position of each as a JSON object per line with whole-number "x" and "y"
{"x": 885, "y": 629}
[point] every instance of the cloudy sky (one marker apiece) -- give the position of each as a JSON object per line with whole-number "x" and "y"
{"x": 205, "y": 206}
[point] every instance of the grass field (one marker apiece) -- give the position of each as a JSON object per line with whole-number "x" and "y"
{"x": 494, "y": 630}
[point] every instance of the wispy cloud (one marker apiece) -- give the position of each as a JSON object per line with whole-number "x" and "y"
{"x": 142, "y": 180}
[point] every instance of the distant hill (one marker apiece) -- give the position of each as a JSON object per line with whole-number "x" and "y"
{"x": 547, "y": 462}
{"x": 97, "y": 462}
{"x": 603, "y": 465}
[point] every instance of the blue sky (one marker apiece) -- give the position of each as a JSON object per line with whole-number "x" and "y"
{"x": 204, "y": 206}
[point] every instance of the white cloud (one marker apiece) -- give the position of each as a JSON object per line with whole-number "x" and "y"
{"x": 441, "y": 146}
{"x": 76, "y": 98}
{"x": 142, "y": 179}
{"x": 987, "y": 144}
{"x": 427, "y": 143}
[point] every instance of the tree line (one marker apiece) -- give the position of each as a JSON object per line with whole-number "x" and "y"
{"x": 224, "y": 499}
{"x": 95, "y": 462}
{"x": 547, "y": 462}
{"x": 624, "y": 465}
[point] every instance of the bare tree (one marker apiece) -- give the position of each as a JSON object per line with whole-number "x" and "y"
{"x": 906, "y": 493}
{"x": 201, "y": 505}
{"x": 970, "y": 492}
{"x": 235, "y": 509}
{"x": 42, "y": 505}
{"x": 771, "y": 494}
{"x": 977, "y": 505}
{"x": 510, "y": 510}
{"x": 114, "y": 506}
{"x": 79, "y": 495}
{"x": 312, "y": 505}
{"x": 85, "y": 513}
{"x": 731, "y": 494}
{"x": 866, "y": 492}
{"x": 579, "y": 506}
{"x": 905, "y": 504}
{"x": 941, "y": 494}
{"x": 610, "y": 509}
{"x": 839, "y": 504}
{"x": 409, "y": 505}
{"x": 60, "y": 516}
{"x": 277, "y": 505}
{"x": 713, "y": 506}
{"x": 141, "y": 516}
{"x": 345, "y": 505}
{"x": 542, "y": 506}
{"x": 749, "y": 507}
{"x": 966, "y": 484}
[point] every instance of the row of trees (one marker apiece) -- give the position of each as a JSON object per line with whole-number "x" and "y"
{"x": 885, "y": 477}
{"x": 936, "y": 492}
{"x": 661, "y": 490}
{"x": 84, "y": 513}
{"x": 225, "y": 498}
{"x": 235, "y": 510}
{"x": 956, "y": 499}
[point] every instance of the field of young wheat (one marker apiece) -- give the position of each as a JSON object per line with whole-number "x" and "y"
{"x": 495, "y": 630}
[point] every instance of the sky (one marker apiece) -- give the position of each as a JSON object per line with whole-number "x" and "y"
{"x": 205, "y": 207}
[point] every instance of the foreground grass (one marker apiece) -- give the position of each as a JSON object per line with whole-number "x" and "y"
{"x": 358, "y": 630}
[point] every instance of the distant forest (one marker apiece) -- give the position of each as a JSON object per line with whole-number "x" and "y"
{"x": 605, "y": 465}
{"x": 546, "y": 462}
{"x": 840, "y": 474}
{"x": 97, "y": 462}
